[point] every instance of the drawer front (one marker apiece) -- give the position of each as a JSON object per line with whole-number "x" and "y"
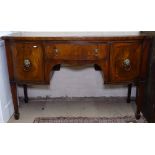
{"x": 125, "y": 61}
{"x": 28, "y": 62}
{"x": 75, "y": 51}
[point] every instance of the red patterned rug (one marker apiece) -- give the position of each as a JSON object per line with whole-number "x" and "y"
{"x": 125, "y": 119}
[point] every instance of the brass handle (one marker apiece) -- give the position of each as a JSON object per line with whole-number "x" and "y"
{"x": 127, "y": 64}
{"x": 96, "y": 50}
{"x": 56, "y": 51}
{"x": 27, "y": 64}
{"x": 35, "y": 46}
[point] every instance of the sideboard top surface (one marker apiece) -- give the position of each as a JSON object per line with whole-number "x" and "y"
{"x": 96, "y": 36}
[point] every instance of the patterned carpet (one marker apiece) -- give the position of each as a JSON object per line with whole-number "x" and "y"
{"x": 125, "y": 119}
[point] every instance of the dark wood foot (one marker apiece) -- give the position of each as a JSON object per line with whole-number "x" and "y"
{"x": 56, "y": 67}
{"x": 137, "y": 115}
{"x": 26, "y": 100}
{"x": 97, "y": 67}
{"x": 25, "y": 93}
{"x": 129, "y": 93}
{"x": 16, "y": 116}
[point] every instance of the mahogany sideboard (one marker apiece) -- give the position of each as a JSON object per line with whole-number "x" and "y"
{"x": 32, "y": 56}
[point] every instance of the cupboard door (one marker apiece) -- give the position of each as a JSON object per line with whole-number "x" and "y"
{"x": 28, "y": 62}
{"x": 125, "y": 61}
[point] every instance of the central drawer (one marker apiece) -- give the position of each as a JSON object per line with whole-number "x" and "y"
{"x": 73, "y": 51}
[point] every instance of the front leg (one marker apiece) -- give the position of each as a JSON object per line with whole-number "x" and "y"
{"x": 139, "y": 98}
{"x": 15, "y": 99}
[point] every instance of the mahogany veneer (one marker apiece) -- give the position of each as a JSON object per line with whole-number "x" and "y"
{"x": 32, "y": 57}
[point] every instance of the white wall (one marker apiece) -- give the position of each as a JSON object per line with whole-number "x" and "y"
{"x": 6, "y": 104}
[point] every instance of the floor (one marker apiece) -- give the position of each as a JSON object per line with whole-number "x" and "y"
{"x": 91, "y": 107}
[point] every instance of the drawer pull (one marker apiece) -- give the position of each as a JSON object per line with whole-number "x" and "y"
{"x": 27, "y": 64}
{"x": 96, "y": 50}
{"x": 56, "y": 51}
{"x": 127, "y": 64}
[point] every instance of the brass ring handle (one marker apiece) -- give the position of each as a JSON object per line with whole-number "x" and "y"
{"x": 27, "y": 64}
{"x": 56, "y": 51}
{"x": 126, "y": 64}
{"x": 96, "y": 50}
{"x": 35, "y": 46}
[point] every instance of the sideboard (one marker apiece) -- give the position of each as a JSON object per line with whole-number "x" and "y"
{"x": 33, "y": 56}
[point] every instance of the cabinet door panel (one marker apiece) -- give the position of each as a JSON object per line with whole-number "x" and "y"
{"x": 28, "y": 62}
{"x": 125, "y": 61}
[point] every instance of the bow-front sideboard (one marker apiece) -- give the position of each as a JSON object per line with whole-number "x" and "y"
{"x": 33, "y": 56}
